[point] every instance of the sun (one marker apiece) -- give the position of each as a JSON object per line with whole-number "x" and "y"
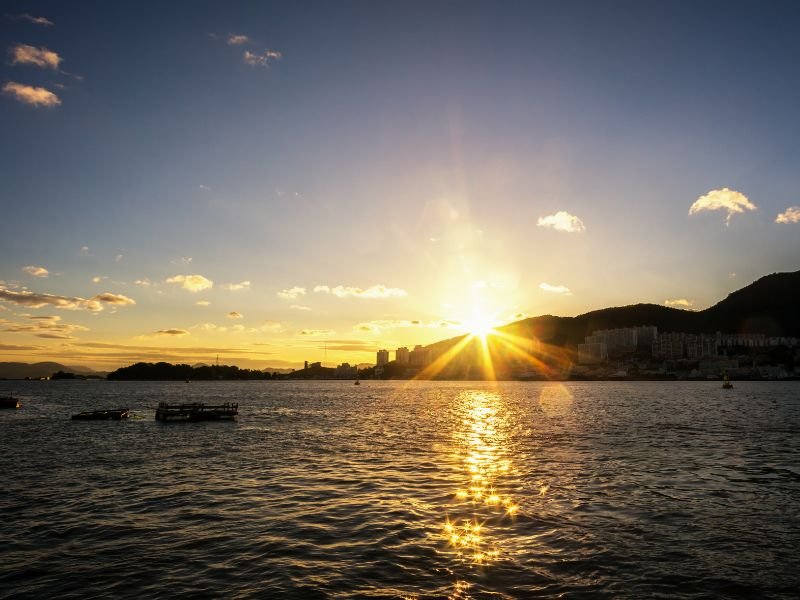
{"x": 480, "y": 325}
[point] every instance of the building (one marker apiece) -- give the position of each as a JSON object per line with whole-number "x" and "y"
{"x": 401, "y": 356}
{"x": 669, "y": 346}
{"x": 418, "y": 357}
{"x": 592, "y": 353}
{"x": 383, "y": 357}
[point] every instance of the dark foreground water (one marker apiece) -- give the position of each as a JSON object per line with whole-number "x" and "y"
{"x": 391, "y": 489}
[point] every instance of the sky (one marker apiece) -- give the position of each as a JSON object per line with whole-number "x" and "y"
{"x": 280, "y": 182}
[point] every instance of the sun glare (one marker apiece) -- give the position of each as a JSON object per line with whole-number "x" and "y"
{"x": 480, "y": 325}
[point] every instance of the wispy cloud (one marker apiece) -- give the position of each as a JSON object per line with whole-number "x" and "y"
{"x": 562, "y": 221}
{"x": 682, "y": 302}
{"x": 119, "y": 258}
{"x": 172, "y": 332}
{"x": 235, "y": 287}
{"x": 555, "y": 289}
{"x": 261, "y": 60}
{"x": 193, "y": 283}
{"x": 44, "y": 22}
{"x": 182, "y": 261}
{"x": 790, "y": 215}
{"x": 39, "y": 300}
{"x": 292, "y": 293}
{"x": 235, "y": 315}
{"x": 23, "y": 54}
{"x": 28, "y": 94}
{"x": 203, "y": 303}
{"x": 237, "y": 39}
{"x": 375, "y": 291}
{"x": 36, "y": 271}
{"x": 730, "y": 201}
{"x": 317, "y": 332}
{"x": 98, "y": 278}
{"x": 300, "y": 307}
{"x": 45, "y": 326}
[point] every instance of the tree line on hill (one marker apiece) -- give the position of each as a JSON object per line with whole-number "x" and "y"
{"x": 163, "y": 371}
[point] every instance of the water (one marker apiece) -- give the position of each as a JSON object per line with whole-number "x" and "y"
{"x": 398, "y": 489}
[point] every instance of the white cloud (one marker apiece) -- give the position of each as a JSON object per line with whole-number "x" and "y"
{"x": 44, "y": 22}
{"x": 23, "y": 54}
{"x": 193, "y": 283}
{"x": 98, "y": 278}
{"x": 28, "y": 94}
{"x": 555, "y": 289}
{"x": 292, "y": 293}
{"x": 36, "y": 271}
{"x": 261, "y": 60}
{"x": 235, "y": 315}
{"x": 143, "y": 282}
{"x": 790, "y": 215}
{"x": 316, "y": 332}
{"x": 84, "y": 250}
{"x": 118, "y": 258}
{"x": 683, "y": 302}
{"x": 203, "y": 303}
{"x": 562, "y": 221}
{"x": 172, "y": 332}
{"x": 235, "y": 287}
{"x": 730, "y": 201}
{"x": 300, "y": 307}
{"x": 183, "y": 260}
{"x": 375, "y": 291}
{"x": 237, "y": 39}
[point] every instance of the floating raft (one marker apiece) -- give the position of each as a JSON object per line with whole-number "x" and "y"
{"x": 9, "y": 402}
{"x": 114, "y": 414}
{"x": 196, "y": 411}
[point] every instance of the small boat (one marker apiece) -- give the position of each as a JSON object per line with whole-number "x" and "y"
{"x": 196, "y": 411}
{"x": 726, "y": 383}
{"x": 114, "y": 414}
{"x": 9, "y": 402}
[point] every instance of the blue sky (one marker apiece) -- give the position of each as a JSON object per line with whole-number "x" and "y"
{"x": 417, "y": 146}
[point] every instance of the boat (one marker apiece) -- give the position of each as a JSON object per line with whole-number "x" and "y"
{"x": 196, "y": 411}
{"x": 726, "y": 383}
{"x": 9, "y": 402}
{"x": 114, "y": 414}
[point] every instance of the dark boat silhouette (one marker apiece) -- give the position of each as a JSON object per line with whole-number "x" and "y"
{"x": 9, "y": 402}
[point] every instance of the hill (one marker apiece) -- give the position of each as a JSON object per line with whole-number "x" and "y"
{"x": 18, "y": 370}
{"x": 768, "y": 305}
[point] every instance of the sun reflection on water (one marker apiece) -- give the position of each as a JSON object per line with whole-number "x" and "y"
{"x": 481, "y": 503}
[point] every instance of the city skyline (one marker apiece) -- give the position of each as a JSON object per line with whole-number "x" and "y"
{"x": 276, "y": 183}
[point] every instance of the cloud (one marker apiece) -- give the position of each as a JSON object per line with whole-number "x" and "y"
{"x": 205, "y": 188}
{"x": 562, "y": 221}
{"x": 45, "y": 326}
{"x": 28, "y": 94}
{"x": 23, "y": 54}
{"x": 261, "y": 60}
{"x": 39, "y": 300}
{"x": 375, "y": 291}
{"x": 316, "y": 332}
{"x": 300, "y": 307}
{"x": 98, "y": 278}
{"x": 555, "y": 289}
{"x": 730, "y": 201}
{"x": 36, "y": 271}
{"x": 790, "y": 215}
{"x": 84, "y": 250}
{"x": 14, "y": 347}
{"x": 235, "y": 315}
{"x": 31, "y": 19}
{"x": 183, "y": 260}
{"x": 203, "y": 303}
{"x": 143, "y": 282}
{"x": 237, "y": 39}
{"x": 679, "y": 302}
{"x": 235, "y": 287}
{"x": 118, "y": 258}
{"x": 292, "y": 293}
{"x": 172, "y": 332}
{"x": 116, "y": 299}
{"x": 193, "y": 283}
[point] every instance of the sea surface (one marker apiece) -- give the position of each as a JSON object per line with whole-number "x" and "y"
{"x": 404, "y": 490}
